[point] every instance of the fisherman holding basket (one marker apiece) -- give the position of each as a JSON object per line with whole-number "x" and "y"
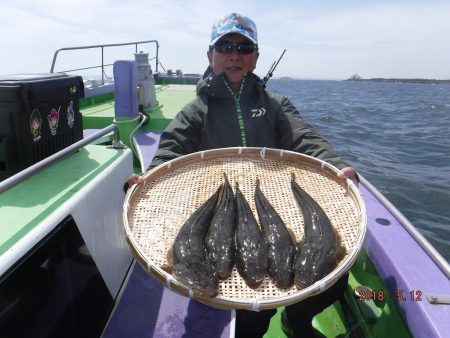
{"x": 233, "y": 109}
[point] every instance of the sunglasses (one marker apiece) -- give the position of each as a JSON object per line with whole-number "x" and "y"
{"x": 228, "y": 47}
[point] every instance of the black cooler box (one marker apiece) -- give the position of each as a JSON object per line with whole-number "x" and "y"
{"x": 39, "y": 115}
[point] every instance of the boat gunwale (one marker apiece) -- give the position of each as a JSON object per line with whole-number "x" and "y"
{"x": 408, "y": 270}
{"x": 27, "y": 172}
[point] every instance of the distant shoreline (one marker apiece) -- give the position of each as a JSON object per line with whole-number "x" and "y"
{"x": 429, "y": 81}
{"x": 433, "y": 81}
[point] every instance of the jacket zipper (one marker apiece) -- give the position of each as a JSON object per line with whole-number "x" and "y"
{"x": 238, "y": 110}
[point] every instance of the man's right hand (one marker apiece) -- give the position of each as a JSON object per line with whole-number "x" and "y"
{"x": 133, "y": 179}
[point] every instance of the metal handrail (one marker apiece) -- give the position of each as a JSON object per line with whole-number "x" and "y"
{"x": 102, "y": 47}
{"x": 22, "y": 175}
{"x": 418, "y": 237}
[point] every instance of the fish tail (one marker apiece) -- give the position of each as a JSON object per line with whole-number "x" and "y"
{"x": 225, "y": 176}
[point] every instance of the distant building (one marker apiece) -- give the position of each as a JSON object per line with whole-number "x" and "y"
{"x": 355, "y": 77}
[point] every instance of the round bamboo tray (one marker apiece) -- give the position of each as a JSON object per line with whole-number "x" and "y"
{"x": 155, "y": 211}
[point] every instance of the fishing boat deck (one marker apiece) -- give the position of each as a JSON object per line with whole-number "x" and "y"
{"x": 148, "y": 309}
{"x": 145, "y": 307}
{"x": 171, "y": 99}
{"x": 88, "y": 185}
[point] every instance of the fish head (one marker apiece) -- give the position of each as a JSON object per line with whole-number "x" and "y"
{"x": 312, "y": 264}
{"x": 198, "y": 276}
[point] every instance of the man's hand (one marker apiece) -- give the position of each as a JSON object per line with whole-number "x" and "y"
{"x": 350, "y": 173}
{"x": 133, "y": 179}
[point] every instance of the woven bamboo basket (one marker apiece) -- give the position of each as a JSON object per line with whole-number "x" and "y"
{"x": 155, "y": 211}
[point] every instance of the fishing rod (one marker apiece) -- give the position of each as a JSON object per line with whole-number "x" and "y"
{"x": 271, "y": 70}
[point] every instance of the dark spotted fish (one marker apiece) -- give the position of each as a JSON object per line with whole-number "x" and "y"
{"x": 190, "y": 259}
{"x": 281, "y": 247}
{"x": 316, "y": 255}
{"x": 220, "y": 235}
{"x": 251, "y": 249}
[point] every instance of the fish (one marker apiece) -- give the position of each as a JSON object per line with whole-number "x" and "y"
{"x": 220, "y": 235}
{"x": 281, "y": 247}
{"x": 251, "y": 248}
{"x": 191, "y": 264}
{"x": 317, "y": 254}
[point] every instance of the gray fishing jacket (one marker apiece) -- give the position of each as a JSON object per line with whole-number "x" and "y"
{"x": 255, "y": 118}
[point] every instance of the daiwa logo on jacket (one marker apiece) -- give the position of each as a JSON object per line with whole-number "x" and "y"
{"x": 258, "y": 112}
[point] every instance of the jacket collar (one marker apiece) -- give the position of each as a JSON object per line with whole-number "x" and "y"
{"x": 216, "y": 85}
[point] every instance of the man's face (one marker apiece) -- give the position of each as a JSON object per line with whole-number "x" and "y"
{"x": 235, "y": 64}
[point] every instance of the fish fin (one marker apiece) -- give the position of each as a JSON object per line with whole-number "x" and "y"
{"x": 292, "y": 235}
{"x": 225, "y": 176}
{"x": 168, "y": 266}
{"x": 341, "y": 251}
{"x": 221, "y": 190}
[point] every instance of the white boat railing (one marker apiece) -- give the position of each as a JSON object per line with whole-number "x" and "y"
{"x": 102, "y": 47}
{"x": 440, "y": 261}
{"x": 27, "y": 172}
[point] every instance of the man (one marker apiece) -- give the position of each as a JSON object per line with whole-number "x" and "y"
{"x": 233, "y": 109}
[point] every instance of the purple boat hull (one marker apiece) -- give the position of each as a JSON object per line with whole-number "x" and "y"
{"x": 408, "y": 271}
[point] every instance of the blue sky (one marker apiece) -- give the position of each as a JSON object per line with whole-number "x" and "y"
{"x": 324, "y": 39}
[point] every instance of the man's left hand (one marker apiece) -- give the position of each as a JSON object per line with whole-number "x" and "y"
{"x": 350, "y": 173}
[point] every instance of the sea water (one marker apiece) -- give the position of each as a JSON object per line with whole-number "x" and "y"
{"x": 397, "y": 135}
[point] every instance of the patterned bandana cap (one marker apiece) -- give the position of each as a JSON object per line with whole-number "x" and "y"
{"x": 234, "y": 23}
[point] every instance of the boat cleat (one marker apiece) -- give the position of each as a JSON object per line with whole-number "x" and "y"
{"x": 438, "y": 299}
